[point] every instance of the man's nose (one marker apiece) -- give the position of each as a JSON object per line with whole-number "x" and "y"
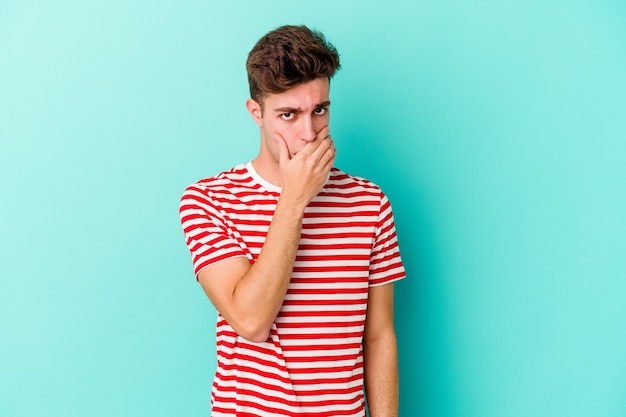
{"x": 308, "y": 131}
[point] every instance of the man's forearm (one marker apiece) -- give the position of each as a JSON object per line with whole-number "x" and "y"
{"x": 381, "y": 376}
{"x": 261, "y": 291}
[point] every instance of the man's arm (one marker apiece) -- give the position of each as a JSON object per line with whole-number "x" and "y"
{"x": 250, "y": 296}
{"x": 380, "y": 354}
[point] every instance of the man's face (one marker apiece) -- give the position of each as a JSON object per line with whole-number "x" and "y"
{"x": 295, "y": 116}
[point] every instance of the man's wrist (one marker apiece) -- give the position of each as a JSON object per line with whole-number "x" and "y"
{"x": 290, "y": 205}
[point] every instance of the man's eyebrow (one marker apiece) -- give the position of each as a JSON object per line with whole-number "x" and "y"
{"x": 298, "y": 110}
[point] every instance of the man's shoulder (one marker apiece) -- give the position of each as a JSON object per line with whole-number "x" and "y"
{"x": 238, "y": 173}
{"x": 237, "y": 176}
{"x": 226, "y": 184}
{"x": 342, "y": 180}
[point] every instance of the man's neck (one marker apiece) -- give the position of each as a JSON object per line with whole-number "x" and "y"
{"x": 268, "y": 169}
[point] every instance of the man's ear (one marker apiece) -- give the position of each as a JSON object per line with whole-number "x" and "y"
{"x": 255, "y": 111}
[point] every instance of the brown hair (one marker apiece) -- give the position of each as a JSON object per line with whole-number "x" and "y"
{"x": 288, "y": 56}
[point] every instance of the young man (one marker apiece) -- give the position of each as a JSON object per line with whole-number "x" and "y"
{"x": 297, "y": 257}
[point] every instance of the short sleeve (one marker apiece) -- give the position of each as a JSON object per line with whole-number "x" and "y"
{"x": 208, "y": 236}
{"x": 385, "y": 262}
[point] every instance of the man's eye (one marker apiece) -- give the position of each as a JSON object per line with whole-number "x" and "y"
{"x": 286, "y": 116}
{"x": 320, "y": 111}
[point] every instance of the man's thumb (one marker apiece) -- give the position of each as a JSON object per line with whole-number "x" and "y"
{"x": 283, "y": 150}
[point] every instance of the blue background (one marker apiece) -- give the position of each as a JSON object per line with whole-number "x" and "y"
{"x": 496, "y": 128}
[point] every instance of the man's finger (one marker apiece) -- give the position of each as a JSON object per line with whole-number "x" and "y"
{"x": 329, "y": 156}
{"x": 324, "y": 133}
{"x": 323, "y": 147}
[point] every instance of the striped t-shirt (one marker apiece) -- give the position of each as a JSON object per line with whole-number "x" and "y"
{"x": 312, "y": 361}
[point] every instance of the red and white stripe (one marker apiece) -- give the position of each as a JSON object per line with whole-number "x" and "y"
{"x": 312, "y": 363}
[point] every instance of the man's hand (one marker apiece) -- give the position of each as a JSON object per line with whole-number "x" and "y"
{"x": 304, "y": 174}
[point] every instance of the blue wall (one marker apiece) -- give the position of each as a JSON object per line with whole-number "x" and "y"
{"x": 497, "y": 130}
